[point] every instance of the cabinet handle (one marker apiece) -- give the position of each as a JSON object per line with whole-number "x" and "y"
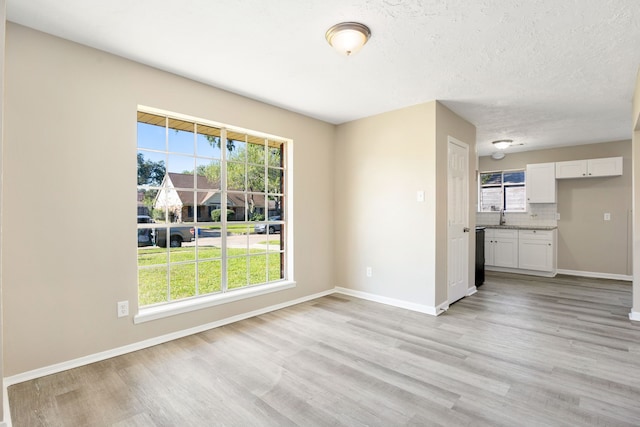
{"x": 549, "y": 244}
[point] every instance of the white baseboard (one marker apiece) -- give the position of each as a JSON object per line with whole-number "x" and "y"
{"x": 472, "y": 290}
{"x": 442, "y": 308}
{"x": 6, "y": 411}
{"x": 434, "y": 311}
{"x": 97, "y": 357}
{"x": 521, "y": 271}
{"x": 634, "y": 315}
{"x": 596, "y": 275}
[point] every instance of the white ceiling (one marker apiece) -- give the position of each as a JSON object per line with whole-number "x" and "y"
{"x": 541, "y": 72}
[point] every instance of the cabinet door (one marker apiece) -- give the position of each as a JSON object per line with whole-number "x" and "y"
{"x": 571, "y": 169}
{"x": 610, "y": 166}
{"x": 488, "y": 247}
{"x": 505, "y": 252}
{"x": 534, "y": 254}
{"x": 541, "y": 183}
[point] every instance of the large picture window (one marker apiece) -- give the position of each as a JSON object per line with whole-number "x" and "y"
{"x": 502, "y": 190}
{"x": 211, "y": 209}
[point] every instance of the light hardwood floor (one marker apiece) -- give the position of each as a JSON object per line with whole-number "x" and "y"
{"x": 522, "y": 351}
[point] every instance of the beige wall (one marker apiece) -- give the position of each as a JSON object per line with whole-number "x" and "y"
{"x": 68, "y": 250}
{"x": 585, "y": 241}
{"x": 2, "y": 49}
{"x": 381, "y": 162}
{"x": 636, "y": 199}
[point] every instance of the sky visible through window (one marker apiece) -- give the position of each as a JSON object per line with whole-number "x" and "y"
{"x": 180, "y": 142}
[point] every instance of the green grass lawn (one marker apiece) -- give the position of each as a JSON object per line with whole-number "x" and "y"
{"x": 270, "y": 242}
{"x": 233, "y": 228}
{"x": 244, "y": 268}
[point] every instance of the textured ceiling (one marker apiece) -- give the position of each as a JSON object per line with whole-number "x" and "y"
{"x": 541, "y": 72}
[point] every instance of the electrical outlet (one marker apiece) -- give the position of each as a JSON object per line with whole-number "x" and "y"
{"x": 123, "y": 308}
{"x": 557, "y": 216}
{"x": 607, "y": 216}
{"x": 369, "y": 272}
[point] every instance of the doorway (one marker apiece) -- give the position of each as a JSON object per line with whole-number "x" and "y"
{"x": 458, "y": 220}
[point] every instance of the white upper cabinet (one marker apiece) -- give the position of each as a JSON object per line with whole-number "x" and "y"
{"x": 541, "y": 183}
{"x": 571, "y": 169}
{"x": 610, "y": 166}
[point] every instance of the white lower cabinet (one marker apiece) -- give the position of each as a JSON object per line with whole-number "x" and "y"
{"x": 536, "y": 250}
{"x": 533, "y": 250}
{"x": 501, "y": 248}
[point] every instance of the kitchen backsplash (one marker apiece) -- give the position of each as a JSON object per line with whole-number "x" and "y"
{"x": 538, "y": 214}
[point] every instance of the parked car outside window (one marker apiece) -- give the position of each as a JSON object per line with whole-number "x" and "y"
{"x": 145, "y": 235}
{"x": 273, "y": 228}
{"x": 153, "y": 236}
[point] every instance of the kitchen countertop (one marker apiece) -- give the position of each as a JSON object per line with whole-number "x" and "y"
{"x": 520, "y": 227}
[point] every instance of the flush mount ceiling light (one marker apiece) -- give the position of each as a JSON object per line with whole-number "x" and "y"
{"x": 348, "y": 37}
{"x": 502, "y": 144}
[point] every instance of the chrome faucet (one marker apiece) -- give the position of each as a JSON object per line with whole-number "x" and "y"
{"x": 503, "y": 220}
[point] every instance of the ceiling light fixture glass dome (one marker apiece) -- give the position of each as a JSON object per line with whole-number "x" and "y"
{"x": 348, "y": 37}
{"x": 502, "y": 144}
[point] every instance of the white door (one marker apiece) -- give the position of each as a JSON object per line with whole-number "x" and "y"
{"x": 458, "y": 215}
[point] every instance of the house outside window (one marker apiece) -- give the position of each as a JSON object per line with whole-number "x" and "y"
{"x": 211, "y": 209}
{"x": 502, "y": 190}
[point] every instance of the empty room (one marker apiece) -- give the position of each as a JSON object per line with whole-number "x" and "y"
{"x": 383, "y": 213}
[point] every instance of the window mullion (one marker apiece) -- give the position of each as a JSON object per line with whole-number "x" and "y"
{"x": 166, "y": 213}
{"x": 266, "y": 203}
{"x": 223, "y": 209}
{"x": 195, "y": 206}
{"x": 246, "y": 211}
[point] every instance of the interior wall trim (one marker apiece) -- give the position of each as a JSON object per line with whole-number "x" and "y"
{"x": 596, "y": 275}
{"x": 421, "y": 308}
{"x": 635, "y": 315}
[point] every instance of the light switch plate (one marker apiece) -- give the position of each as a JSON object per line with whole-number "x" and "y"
{"x": 420, "y": 196}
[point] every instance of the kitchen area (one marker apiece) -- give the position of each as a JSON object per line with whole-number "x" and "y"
{"x": 573, "y": 216}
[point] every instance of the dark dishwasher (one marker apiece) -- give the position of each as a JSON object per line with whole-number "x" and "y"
{"x": 479, "y": 256}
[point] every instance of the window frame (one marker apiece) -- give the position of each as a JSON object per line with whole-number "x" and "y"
{"x": 502, "y": 187}
{"x": 225, "y": 295}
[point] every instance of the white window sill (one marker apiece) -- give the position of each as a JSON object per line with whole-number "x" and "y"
{"x": 179, "y": 307}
